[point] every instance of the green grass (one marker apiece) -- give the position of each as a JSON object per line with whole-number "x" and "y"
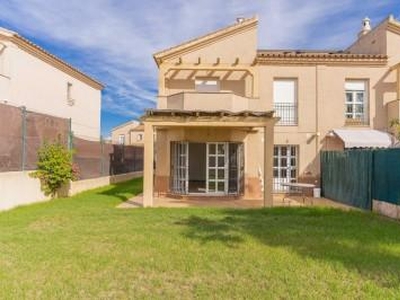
{"x": 85, "y": 248}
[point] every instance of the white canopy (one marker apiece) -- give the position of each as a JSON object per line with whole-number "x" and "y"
{"x": 364, "y": 138}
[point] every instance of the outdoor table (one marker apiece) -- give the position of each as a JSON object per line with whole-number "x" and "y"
{"x": 298, "y": 188}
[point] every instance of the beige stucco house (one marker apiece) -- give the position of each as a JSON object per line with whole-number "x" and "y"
{"x": 234, "y": 120}
{"x": 32, "y": 77}
{"x": 129, "y": 133}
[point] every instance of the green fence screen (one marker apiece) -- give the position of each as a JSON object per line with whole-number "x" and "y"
{"x": 386, "y": 180}
{"x": 346, "y": 177}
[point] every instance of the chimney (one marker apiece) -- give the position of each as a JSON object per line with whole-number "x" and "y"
{"x": 366, "y": 27}
{"x": 239, "y": 20}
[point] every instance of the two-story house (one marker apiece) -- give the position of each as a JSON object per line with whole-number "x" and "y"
{"x": 128, "y": 133}
{"x": 36, "y": 79}
{"x": 235, "y": 120}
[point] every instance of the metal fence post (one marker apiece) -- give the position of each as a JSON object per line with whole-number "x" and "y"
{"x": 70, "y": 135}
{"x": 102, "y": 156}
{"x": 23, "y": 138}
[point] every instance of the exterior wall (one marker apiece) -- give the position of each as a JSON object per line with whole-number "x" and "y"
{"x": 230, "y": 58}
{"x": 253, "y": 143}
{"x": 207, "y": 101}
{"x": 373, "y": 42}
{"x": 387, "y": 209}
{"x": 321, "y": 105}
{"x": 11, "y": 194}
{"x": 242, "y": 45}
{"x": 26, "y": 80}
{"x": 393, "y": 46}
{"x": 129, "y": 130}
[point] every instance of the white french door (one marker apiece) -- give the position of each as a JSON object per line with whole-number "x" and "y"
{"x": 180, "y": 167}
{"x": 285, "y": 166}
{"x": 217, "y": 168}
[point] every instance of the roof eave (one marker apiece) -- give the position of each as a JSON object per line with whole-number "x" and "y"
{"x": 186, "y": 46}
{"x": 46, "y": 56}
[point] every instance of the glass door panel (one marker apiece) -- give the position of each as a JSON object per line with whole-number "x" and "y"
{"x": 217, "y": 165}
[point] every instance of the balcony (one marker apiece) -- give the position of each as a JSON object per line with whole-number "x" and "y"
{"x": 208, "y": 101}
{"x": 287, "y": 112}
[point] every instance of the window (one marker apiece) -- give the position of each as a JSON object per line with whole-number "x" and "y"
{"x": 285, "y": 101}
{"x": 121, "y": 139}
{"x": 285, "y": 166}
{"x": 356, "y": 102}
{"x": 207, "y": 85}
{"x": 70, "y": 100}
{"x": 139, "y": 137}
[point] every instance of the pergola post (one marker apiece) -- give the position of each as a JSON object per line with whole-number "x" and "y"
{"x": 268, "y": 164}
{"x": 148, "y": 168}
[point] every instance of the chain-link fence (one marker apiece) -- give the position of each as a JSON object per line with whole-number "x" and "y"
{"x": 22, "y": 132}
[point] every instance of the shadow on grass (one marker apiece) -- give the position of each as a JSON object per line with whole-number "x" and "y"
{"x": 362, "y": 242}
{"x": 124, "y": 190}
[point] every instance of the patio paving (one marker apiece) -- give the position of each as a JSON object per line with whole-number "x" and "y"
{"x": 137, "y": 201}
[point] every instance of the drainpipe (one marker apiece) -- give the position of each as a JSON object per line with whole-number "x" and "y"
{"x": 317, "y": 133}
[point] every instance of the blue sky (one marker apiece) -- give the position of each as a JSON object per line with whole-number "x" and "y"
{"x": 113, "y": 40}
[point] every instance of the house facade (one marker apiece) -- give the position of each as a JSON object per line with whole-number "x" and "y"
{"x": 129, "y": 133}
{"x": 233, "y": 120}
{"x": 41, "y": 82}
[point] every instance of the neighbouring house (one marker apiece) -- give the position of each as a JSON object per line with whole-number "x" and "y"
{"x": 234, "y": 120}
{"x": 129, "y": 133}
{"x": 36, "y": 79}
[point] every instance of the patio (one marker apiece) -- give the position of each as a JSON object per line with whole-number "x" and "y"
{"x": 292, "y": 201}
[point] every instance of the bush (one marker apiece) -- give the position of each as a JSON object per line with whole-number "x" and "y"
{"x": 55, "y": 168}
{"x": 395, "y": 126}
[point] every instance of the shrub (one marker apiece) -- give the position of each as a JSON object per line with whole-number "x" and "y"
{"x": 54, "y": 167}
{"x": 395, "y": 125}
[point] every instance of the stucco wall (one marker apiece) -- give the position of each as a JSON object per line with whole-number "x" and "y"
{"x": 387, "y": 209}
{"x": 18, "y": 188}
{"x": 321, "y": 105}
{"x": 372, "y": 43}
{"x": 26, "y": 80}
{"x": 12, "y": 195}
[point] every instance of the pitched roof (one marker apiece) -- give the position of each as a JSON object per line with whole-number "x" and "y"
{"x": 318, "y": 56}
{"x": 128, "y": 123}
{"x": 390, "y": 24}
{"x": 46, "y": 56}
{"x": 205, "y": 39}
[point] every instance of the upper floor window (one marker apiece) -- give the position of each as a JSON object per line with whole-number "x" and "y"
{"x": 207, "y": 85}
{"x": 139, "y": 137}
{"x": 70, "y": 100}
{"x": 285, "y": 101}
{"x": 121, "y": 139}
{"x": 356, "y": 102}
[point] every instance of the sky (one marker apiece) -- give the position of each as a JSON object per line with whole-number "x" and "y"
{"x": 114, "y": 40}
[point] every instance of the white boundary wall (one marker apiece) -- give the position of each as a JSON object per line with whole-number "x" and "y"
{"x": 18, "y": 188}
{"x": 387, "y": 209}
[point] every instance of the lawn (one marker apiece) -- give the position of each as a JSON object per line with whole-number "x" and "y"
{"x": 85, "y": 248}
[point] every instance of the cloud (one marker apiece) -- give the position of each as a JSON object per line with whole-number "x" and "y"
{"x": 114, "y": 40}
